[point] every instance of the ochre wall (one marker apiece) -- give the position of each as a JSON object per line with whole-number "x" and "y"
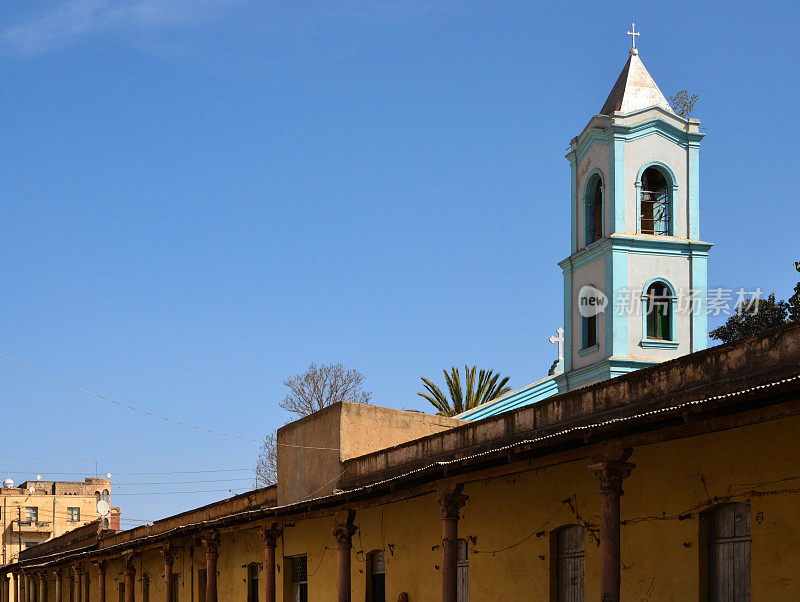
{"x": 508, "y": 520}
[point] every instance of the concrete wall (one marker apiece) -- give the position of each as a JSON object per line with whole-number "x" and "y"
{"x": 311, "y": 450}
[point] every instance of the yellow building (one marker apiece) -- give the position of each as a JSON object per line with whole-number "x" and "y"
{"x": 37, "y": 511}
{"x": 525, "y": 505}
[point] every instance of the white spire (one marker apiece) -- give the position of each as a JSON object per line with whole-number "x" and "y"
{"x": 635, "y": 89}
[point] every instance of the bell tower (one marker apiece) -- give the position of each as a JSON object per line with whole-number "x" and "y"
{"x": 635, "y": 283}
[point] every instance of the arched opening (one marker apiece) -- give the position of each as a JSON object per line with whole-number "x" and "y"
{"x": 376, "y": 577}
{"x": 96, "y": 496}
{"x": 105, "y": 495}
{"x": 658, "y": 307}
{"x": 594, "y": 209}
{"x": 655, "y": 203}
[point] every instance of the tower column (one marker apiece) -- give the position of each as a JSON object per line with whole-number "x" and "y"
{"x": 211, "y": 546}
{"x": 58, "y": 575}
{"x": 42, "y": 587}
{"x": 270, "y": 536}
{"x": 343, "y": 531}
{"x": 169, "y": 557}
{"x": 130, "y": 576}
{"x": 101, "y": 580}
{"x": 78, "y": 570}
{"x": 450, "y": 501}
{"x": 610, "y": 475}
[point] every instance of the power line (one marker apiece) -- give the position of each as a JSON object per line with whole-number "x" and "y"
{"x": 132, "y": 474}
{"x": 125, "y": 405}
{"x": 185, "y": 482}
{"x": 137, "y": 461}
{"x": 179, "y": 492}
{"x": 152, "y": 414}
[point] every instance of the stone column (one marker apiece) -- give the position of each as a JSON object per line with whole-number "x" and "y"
{"x": 28, "y": 588}
{"x": 13, "y": 587}
{"x": 610, "y": 475}
{"x": 211, "y": 546}
{"x": 130, "y": 576}
{"x": 22, "y": 587}
{"x": 167, "y": 554}
{"x": 59, "y": 585}
{"x": 77, "y": 582}
{"x": 101, "y": 580}
{"x": 450, "y": 502}
{"x": 270, "y": 535}
{"x": 42, "y": 587}
{"x": 343, "y": 530}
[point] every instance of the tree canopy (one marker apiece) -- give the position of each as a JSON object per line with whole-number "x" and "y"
{"x": 488, "y": 386}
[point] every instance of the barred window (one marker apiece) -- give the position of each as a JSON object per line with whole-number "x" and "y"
{"x": 73, "y": 514}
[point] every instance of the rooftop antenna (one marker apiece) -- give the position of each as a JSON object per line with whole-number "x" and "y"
{"x": 38, "y": 477}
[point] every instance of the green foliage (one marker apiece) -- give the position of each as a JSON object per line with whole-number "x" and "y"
{"x": 485, "y": 389}
{"x": 749, "y": 320}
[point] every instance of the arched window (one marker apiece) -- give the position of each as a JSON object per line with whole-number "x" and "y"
{"x": 654, "y": 203}
{"x": 569, "y": 553}
{"x": 728, "y": 530}
{"x": 658, "y": 307}
{"x": 106, "y": 524}
{"x": 252, "y": 582}
{"x": 594, "y": 209}
{"x": 105, "y": 495}
{"x": 97, "y": 496}
{"x": 376, "y": 577}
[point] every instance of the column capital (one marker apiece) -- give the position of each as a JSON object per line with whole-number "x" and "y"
{"x": 210, "y": 544}
{"x": 168, "y": 554}
{"x": 451, "y": 500}
{"x": 128, "y": 563}
{"x": 343, "y": 527}
{"x": 270, "y": 534}
{"x": 101, "y": 565}
{"x": 611, "y": 473}
{"x": 77, "y": 569}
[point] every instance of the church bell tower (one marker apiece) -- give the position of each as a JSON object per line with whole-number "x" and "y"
{"x": 635, "y": 283}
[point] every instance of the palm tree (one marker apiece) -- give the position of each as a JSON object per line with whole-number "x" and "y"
{"x": 487, "y": 389}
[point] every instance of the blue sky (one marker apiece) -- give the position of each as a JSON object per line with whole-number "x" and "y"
{"x": 200, "y": 198}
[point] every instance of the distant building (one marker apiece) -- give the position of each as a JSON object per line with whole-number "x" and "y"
{"x": 36, "y": 511}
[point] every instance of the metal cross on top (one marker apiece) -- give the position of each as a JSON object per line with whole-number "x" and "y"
{"x": 633, "y": 33}
{"x": 560, "y": 340}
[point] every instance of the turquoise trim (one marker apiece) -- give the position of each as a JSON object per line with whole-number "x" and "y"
{"x": 656, "y": 344}
{"x": 589, "y": 350}
{"x": 659, "y": 343}
{"x": 585, "y": 142}
{"x": 642, "y": 244}
{"x": 516, "y": 399}
{"x": 573, "y": 171}
{"x": 617, "y": 185}
{"x": 567, "y": 319}
{"x": 698, "y": 265}
{"x": 602, "y": 370}
{"x": 693, "y": 200}
{"x": 656, "y": 126}
{"x": 616, "y": 281}
{"x": 673, "y": 189}
{"x": 587, "y": 181}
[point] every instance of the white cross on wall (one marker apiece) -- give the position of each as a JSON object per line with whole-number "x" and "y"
{"x": 560, "y": 340}
{"x": 633, "y": 33}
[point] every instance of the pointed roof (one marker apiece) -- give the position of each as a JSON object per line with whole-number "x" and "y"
{"x": 634, "y": 90}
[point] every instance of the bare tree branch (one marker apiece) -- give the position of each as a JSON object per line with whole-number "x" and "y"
{"x": 324, "y": 385}
{"x": 683, "y": 103}
{"x": 266, "y": 470}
